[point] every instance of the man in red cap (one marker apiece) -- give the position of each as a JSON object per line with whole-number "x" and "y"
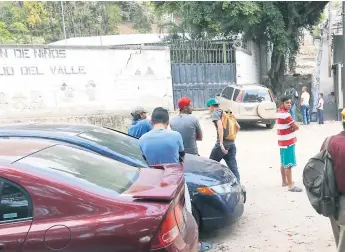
{"x": 187, "y": 125}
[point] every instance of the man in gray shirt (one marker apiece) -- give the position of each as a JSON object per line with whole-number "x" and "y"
{"x": 187, "y": 125}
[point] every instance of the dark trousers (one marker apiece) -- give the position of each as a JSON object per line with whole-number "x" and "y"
{"x": 320, "y": 116}
{"x": 230, "y": 158}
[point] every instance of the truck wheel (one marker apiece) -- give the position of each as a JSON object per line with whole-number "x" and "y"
{"x": 270, "y": 126}
{"x": 196, "y": 216}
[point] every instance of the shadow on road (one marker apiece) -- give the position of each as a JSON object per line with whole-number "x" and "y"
{"x": 253, "y": 127}
{"x": 220, "y": 234}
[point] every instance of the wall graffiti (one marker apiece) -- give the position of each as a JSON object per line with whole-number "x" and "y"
{"x": 57, "y": 79}
{"x": 21, "y": 101}
{"x": 91, "y": 90}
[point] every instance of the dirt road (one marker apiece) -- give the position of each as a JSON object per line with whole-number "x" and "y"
{"x": 274, "y": 219}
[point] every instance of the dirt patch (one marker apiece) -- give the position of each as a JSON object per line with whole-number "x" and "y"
{"x": 274, "y": 219}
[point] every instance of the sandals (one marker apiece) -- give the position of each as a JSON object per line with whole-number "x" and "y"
{"x": 295, "y": 189}
{"x": 205, "y": 247}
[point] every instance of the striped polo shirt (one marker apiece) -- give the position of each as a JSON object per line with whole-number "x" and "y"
{"x": 286, "y": 137}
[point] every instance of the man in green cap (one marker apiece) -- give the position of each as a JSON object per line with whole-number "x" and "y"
{"x": 223, "y": 149}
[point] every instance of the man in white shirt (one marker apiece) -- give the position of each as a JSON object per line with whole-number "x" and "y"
{"x": 305, "y": 97}
{"x": 320, "y": 108}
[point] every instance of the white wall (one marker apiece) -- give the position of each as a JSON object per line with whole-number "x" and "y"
{"x": 248, "y": 65}
{"x": 340, "y": 104}
{"x": 97, "y": 79}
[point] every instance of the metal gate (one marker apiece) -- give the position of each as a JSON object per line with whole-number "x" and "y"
{"x": 201, "y": 82}
{"x": 200, "y": 69}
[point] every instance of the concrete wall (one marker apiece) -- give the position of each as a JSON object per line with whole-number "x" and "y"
{"x": 62, "y": 81}
{"x": 248, "y": 65}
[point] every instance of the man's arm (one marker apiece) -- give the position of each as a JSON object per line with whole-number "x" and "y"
{"x": 220, "y": 130}
{"x": 198, "y": 131}
{"x": 149, "y": 126}
{"x": 294, "y": 126}
{"x": 140, "y": 147}
{"x": 296, "y": 94}
{"x": 181, "y": 148}
{"x": 302, "y": 98}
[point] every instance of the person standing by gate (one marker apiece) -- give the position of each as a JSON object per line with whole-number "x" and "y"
{"x": 305, "y": 97}
{"x": 187, "y": 125}
{"x": 320, "y": 108}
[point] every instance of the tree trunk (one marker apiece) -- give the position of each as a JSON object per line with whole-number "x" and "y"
{"x": 277, "y": 71}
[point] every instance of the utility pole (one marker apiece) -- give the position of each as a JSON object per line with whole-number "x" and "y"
{"x": 329, "y": 40}
{"x": 343, "y": 52}
{"x": 63, "y": 20}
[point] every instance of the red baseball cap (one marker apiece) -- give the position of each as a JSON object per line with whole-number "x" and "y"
{"x": 183, "y": 102}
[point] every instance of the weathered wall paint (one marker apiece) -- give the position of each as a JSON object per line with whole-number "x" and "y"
{"x": 248, "y": 65}
{"x": 40, "y": 81}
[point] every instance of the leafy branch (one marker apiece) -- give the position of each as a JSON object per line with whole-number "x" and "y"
{"x": 278, "y": 25}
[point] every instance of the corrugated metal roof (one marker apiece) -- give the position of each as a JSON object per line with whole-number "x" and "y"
{"x": 110, "y": 40}
{"x": 124, "y": 39}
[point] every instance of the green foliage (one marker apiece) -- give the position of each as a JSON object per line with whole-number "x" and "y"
{"x": 41, "y": 22}
{"x": 276, "y": 23}
{"x": 5, "y": 35}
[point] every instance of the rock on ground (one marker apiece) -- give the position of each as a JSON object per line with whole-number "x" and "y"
{"x": 274, "y": 219}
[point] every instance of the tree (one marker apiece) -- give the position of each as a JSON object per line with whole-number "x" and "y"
{"x": 277, "y": 24}
{"x": 24, "y": 22}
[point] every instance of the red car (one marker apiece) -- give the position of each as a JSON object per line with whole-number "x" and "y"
{"x": 58, "y": 197}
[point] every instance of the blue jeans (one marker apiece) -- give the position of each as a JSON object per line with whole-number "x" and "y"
{"x": 293, "y": 111}
{"x": 230, "y": 158}
{"x": 320, "y": 116}
{"x": 306, "y": 115}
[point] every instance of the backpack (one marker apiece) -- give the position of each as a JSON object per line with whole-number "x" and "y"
{"x": 291, "y": 92}
{"x": 229, "y": 125}
{"x": 319, "y": 182}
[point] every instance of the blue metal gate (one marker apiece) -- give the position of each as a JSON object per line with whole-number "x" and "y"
{"x": 201, "y": 81}
{"x": 201, "y": 68}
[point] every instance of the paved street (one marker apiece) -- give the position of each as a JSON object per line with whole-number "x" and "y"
{"x": 274, "y": 219}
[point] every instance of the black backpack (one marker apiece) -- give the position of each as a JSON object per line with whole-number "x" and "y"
{"x": 319, "y": 182}
{"x": 291, "y": 92}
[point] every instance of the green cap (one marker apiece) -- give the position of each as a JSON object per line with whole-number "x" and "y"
{"x": 211, "y": 102}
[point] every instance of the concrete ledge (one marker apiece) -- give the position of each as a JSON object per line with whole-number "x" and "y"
{"x": 90, "y": 47}
{"x": 119, "y": 122}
